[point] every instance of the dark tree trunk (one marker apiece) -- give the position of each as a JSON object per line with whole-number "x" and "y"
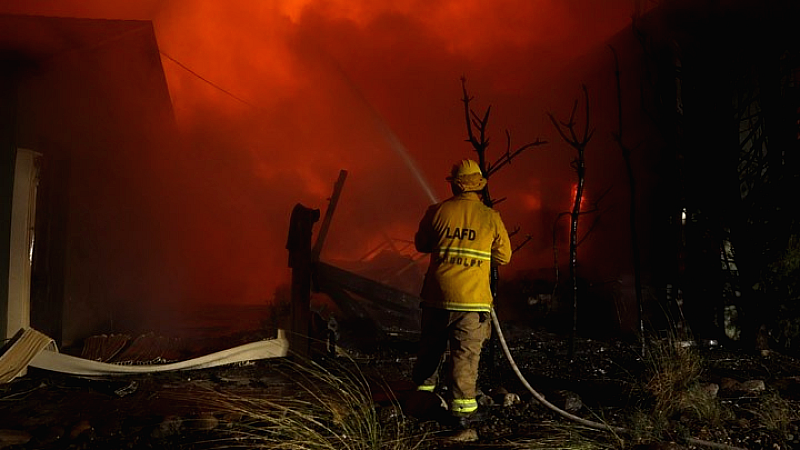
{"x": 580, "y": 169}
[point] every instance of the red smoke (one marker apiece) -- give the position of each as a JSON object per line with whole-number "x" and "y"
{"x": 273, "y": 98}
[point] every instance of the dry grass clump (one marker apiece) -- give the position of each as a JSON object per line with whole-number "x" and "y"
{"x": 774, "y": 414}
{"x": 672, "y": 369}
{"x": 332, "y": 409}
{"x": 675, "y": 400}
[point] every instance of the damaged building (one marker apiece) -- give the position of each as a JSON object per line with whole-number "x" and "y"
{"x": 84, "y": 109}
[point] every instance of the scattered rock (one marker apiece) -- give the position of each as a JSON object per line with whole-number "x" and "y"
{"x": 731, "y": 387}
{"x": 753, "y": 386}
{"x": 567, "y": 400}
{"x": 468, "y": 435}
{"x": 501, "y": 396}
{"x": 204, "y": 421}
{"x": 510, "y": 399}
{"x": 712, "y": 389}
{"x": 729, "y": 384}
{"x": 170, "y": 426}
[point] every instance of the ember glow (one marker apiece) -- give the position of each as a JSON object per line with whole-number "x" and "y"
{"x": 274, "y": 98}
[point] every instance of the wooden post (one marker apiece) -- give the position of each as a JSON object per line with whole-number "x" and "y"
{"x": 326, "y": 222}
{"x": 300, "y": 260}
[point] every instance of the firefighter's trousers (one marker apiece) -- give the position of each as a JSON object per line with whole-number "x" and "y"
{"x": 465, "y": 332}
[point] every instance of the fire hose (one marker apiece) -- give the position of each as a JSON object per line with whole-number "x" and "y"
{"x": 585, "y": 422}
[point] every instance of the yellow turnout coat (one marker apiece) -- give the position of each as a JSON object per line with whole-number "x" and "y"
{"x": 464, "y": 237}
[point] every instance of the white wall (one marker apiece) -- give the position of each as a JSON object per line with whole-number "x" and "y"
{"x": 23, "y": 215}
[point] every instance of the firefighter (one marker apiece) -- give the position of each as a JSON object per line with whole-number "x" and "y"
{"x": 465, "y": 238}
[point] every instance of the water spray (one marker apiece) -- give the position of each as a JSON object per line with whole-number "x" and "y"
{"x": 386, "y": 131}
{"x": 402, "y": 151}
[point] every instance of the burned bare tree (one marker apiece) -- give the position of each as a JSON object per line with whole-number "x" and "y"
{"x": 569, "y": 133}
{"x": 477, "y": 127}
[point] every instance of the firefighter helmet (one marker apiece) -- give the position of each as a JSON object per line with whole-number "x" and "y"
{"x": 466, "y": 176}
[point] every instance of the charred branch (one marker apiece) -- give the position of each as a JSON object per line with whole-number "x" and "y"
{"x": 528, "y": 238}
{"x": 477, "y": 136}
{"x": 509, "y": 155}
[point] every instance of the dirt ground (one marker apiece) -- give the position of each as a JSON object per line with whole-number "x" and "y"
{"x": 46, "y": 411}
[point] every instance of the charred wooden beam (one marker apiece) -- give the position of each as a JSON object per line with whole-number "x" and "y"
{"x": 326, "y": 222}
{"x": 327, "y": 276}
{"x": 298, "y": 243}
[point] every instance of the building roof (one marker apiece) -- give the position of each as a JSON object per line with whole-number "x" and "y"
{"x": 39, "y": 38}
